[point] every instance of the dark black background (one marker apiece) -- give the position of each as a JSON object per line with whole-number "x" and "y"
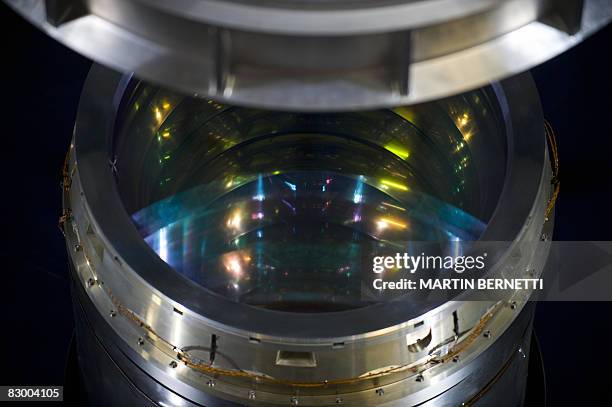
{"x": 41, "y": 84}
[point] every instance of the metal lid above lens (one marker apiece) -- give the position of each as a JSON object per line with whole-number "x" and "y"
{"x": 314, "y": 55}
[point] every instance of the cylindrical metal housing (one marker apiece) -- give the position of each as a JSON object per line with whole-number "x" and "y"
{"x": 154, "y": 330}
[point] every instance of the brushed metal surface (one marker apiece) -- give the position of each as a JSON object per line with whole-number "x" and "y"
{"x": 319, "y": 56}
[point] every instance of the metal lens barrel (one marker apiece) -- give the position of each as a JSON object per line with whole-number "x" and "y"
{"x": 217, "y": 251}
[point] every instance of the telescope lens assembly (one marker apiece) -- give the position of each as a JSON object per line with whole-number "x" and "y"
{"x": 219, "y": 253}
{"x": 279, "y": 210}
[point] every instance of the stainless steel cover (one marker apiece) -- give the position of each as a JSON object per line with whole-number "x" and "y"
{"x": 319, "y": 55}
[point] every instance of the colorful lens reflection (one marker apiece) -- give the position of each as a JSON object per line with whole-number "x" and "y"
{"x": 285, "y": 210}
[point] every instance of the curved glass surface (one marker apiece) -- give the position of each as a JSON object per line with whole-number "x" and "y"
{"x": 285, "y": 210}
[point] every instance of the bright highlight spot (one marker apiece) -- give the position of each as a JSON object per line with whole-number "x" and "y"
{"x": 235, "y": 220}
{"x": 393, "y": 184}
{"x": 399, "y": 208}
{"x": 398, "y": 150}
{"x": 384, "y": 223}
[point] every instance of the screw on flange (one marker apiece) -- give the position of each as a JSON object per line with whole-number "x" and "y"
{"x": 78, "y": 247}
{"x": 211, "y": 383}
{"x": 513, "y": 305}
{"x": 113, "y": 165}
{"x": 455, "y": 359}
{"x": 338, "y": 400}
{"x": 173, "y": 364}
{"x": 252, "y": 395}
{"x": 294, "y": 401}
{"x": 380, "y": 392}
{"x": 91, "y": 282}
{"x": 140, "y": 341}
{"x": 113, "y": 314}
{"x": 487, "y": 334}
{"x": 420, "y": 378}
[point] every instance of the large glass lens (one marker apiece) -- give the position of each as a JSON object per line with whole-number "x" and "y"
{"x": 279, "y": 210}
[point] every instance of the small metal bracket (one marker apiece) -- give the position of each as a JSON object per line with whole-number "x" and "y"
{"x": 222, "y": 57}
{"x": 61, "y": 11}
{"x": 565, "y": 15}
{"x": 401, "y": 66}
